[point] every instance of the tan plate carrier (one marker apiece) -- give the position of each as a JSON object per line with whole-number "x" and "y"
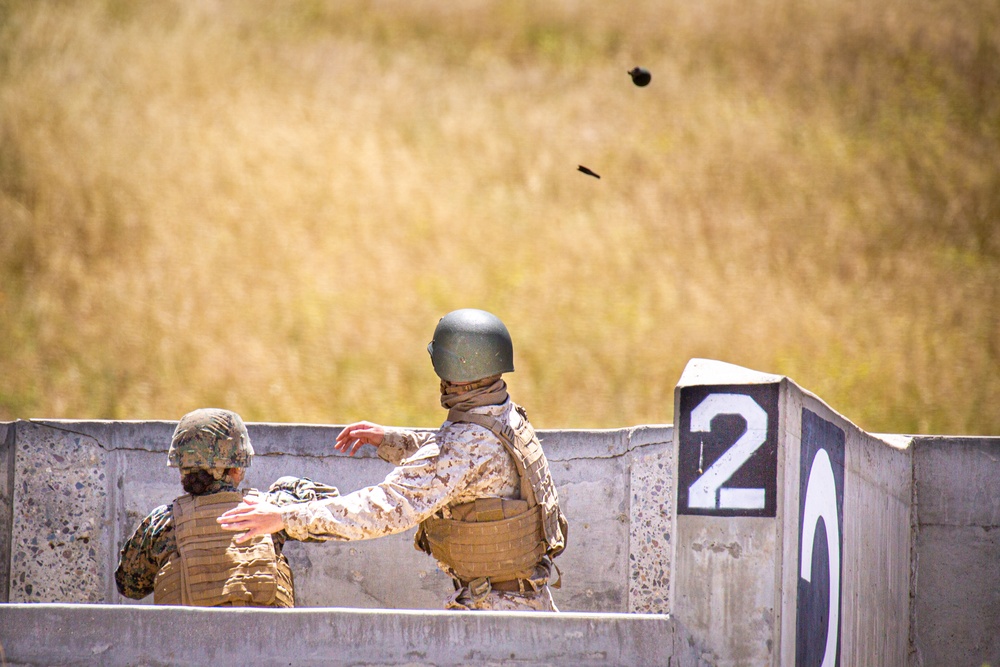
{"x": 490, "y": 537}
{"x": 210, "y": 569}
{"x": 499, "y": 539}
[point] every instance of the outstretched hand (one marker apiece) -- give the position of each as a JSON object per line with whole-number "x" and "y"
{"x": 254, "y": 518}
{"x": 356, "y": 435}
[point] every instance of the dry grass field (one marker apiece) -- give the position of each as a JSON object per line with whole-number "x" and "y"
{"x": 266, "y": 206}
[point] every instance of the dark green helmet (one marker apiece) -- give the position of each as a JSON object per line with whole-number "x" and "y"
{"x": 210, "y": 438}
{"x": 469, "y": 345}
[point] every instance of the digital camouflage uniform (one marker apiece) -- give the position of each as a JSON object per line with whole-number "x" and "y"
{"x": 436, "y": 471}
{"x": 153, "y": 542}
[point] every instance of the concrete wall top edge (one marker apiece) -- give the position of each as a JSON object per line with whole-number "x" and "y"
{"x": 113, "y": 635}
{"x": 814, "y": 403}
{"x": 653, "y": 434}
{"x": 640, "y": 435}
{"x": 125, "y": 610}
{"x": 110, "y": 434}
{"x": 895, "y": 440}
{"x": 956, "y": 440}
{"x": 316, "y": 440}
{"x": 709, "y": 372}
{"x": 570, "y": 444}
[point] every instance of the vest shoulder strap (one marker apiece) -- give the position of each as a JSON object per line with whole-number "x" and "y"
{"x": 505, "y": 434}
{"x": 537, "y": 486}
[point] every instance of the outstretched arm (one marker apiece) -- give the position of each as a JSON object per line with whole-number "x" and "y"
{"x": 252, "y": 517}
{"x": 355, "y": 436}
{"x": 413, "y": 491}
{"x": 394, "y": 444}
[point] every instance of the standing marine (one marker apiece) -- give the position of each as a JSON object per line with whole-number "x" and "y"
{"x": 181, "y": 555}
{"x": 478, "y": 488}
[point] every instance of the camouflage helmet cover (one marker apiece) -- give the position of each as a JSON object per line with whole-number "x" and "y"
{"x": 469, "y": 345}
{"x": 210, "y": 438}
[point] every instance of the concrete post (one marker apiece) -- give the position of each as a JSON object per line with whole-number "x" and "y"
{"x": 792, "y": 537}
{"x": 727, "y": 539}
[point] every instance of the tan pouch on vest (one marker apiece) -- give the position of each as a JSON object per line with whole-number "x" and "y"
{"x": 489, "y": 509}
{"x": 210, "y": 569}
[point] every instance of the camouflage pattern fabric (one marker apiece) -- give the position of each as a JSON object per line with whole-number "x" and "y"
{"x": 503, "y": 601}
{"x": 154, "y": 540}
{"x": 210, "y": 438}
{"x": 435, "y": 470}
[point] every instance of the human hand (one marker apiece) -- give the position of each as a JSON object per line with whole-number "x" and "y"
{"x": 253, "y": 517}
{"x": 356, "y": 435}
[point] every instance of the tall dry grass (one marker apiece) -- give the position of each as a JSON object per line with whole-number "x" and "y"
{"x": 267, "y": 206}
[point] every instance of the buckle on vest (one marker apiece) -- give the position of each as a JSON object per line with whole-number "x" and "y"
{"x": 480, "y": 587}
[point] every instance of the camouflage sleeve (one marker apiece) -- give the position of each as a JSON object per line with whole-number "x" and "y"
{"x": 144, "y": 553}
{"x": 399, "y": 443}
{"x": 471, "y": 465}
{"x": 287, "y": 490}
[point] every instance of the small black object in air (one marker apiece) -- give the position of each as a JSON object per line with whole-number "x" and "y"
{"x": 640, "y": 76}
{"x": 588, "y": 171}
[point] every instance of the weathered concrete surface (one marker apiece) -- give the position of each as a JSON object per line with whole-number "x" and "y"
{"x": 6, "y": 505}
{"x": 956, "y": 581}
{"x": 820, "y": 573}
{"x": 62, "y": 507}
{"x": 875, "y": 554}
{"x": 650, "y": 522}
{"x": 724, "y": 582}
{"x": 82, "y": 487}
{"x": 112, "y": 635}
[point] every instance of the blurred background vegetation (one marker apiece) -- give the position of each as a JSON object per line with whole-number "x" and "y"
{"x": 267, "y": 206}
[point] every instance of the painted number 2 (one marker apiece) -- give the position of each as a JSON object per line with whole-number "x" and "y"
{"x": 708, "y": 492}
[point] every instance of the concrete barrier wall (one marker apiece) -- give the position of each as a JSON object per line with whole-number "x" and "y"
{"x": 956, "y": 566}
{"x": 113, "y": 635}
{"x": 798, "y": 539}
{"x": 77, "y": 489}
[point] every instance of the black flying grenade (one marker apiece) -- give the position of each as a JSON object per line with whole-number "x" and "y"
{"x": 640, "y": 77}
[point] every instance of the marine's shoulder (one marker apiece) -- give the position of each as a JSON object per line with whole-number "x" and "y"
{"x": 160, "y": 514}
